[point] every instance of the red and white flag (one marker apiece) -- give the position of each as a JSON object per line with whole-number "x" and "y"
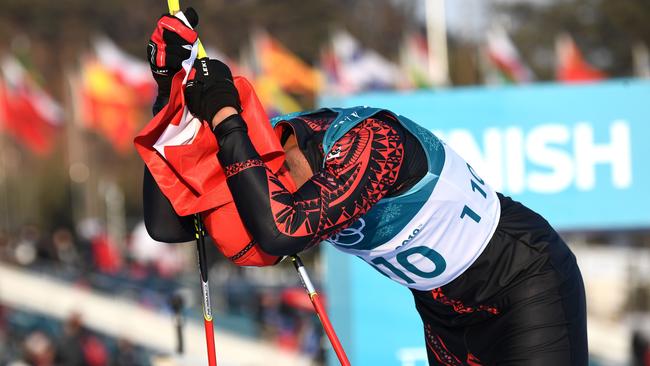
{"x": 27, "y": 112}
{"x": 505, "y": 57}
{"x": 180, "y": 151}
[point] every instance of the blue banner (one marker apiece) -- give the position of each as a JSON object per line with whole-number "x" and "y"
{"x": 576, "y": 154}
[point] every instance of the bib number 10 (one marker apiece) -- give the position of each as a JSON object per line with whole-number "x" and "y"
{"x": 476, "y": 187}
{"x": 408, "y": 269}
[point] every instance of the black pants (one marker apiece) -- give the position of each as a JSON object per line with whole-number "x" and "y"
{"x": 521, "y": 303}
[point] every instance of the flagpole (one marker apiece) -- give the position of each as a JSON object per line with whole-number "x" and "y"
{"x": 78, "y": 170}
{"x": 641, "y": 58}
{"x": 4, "y": 180}
{"x": 436, "y": 22}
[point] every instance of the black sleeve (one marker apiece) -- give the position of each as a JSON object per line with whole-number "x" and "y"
{"x": 359, "y": 172}
{"x": 160, "y": 219}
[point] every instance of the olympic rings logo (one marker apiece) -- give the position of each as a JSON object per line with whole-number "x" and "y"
{"x": 350, "y": 236}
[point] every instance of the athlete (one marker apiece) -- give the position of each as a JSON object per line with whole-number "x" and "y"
{"x": 492, "y": 281}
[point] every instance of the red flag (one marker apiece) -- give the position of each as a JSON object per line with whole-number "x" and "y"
{"x": 181, "y": 153}
{"x": 26, "y": 111}
{"x": 571, "y": 65}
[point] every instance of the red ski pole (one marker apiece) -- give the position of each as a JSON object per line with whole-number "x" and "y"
{"x": 205, "y": 290}
{"x": 320, "y": 311}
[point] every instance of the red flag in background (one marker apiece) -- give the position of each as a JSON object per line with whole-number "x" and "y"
{"x": 571, "y": 65}
{"x": 116, "y": 94}
{"x": 27, "y": 113}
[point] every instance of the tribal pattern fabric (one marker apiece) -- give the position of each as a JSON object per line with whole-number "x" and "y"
{"x": 238, "y": 167}
{"x": 361, "y": 168}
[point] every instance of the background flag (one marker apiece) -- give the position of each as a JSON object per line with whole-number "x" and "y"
{"x": 571, "y": 65}
{"x": 288, "y": 70}
{"x": 414, "y": 61}
{"x": 505, "y": 58}
{"x": 360, "y": 69}
{"x": 116, "y": 94}
{"x": 275, "y": 100}
{"x": 27, "y": 112}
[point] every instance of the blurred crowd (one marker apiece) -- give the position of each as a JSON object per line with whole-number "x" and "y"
{"x": 261, "y": 303}
{"x": 28, "y": 339}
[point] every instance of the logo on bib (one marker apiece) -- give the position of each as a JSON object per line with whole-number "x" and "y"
{"x": 350, "y": 236}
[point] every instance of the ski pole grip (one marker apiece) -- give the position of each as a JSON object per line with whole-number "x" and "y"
{"x": 174, "y": 7}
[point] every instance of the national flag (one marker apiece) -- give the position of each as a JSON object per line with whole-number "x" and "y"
{"x": 288, "y": 70}
{"x": 116, "y": 94}
{"x": 180, "y": 150}
{"x": 275, "y": 100}
{"x": 571, "y": 66}
{"x": 27, "y": 112}
{"x": 181, "y": 154}
{"x": 360, "y": 69}
{"x": 506, "y": 59}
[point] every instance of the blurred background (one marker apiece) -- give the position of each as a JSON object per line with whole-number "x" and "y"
{"x": 81, "y": 282}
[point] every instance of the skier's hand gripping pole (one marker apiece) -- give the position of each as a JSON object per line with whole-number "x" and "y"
{"x": 320, "y": 311}
{"x": 174, "y": 7}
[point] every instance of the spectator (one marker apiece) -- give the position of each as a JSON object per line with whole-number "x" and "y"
{"x": 95, "y": 352}
{"x": 640, "y": 349}
{"x": 64, "y": 247}
{"x": 106, "y": 256}
{"x": 25, "y": 250}
{"x": 69, "y": 349}
{"x": 39, "y": 350}
{"x": 126, "y": 354}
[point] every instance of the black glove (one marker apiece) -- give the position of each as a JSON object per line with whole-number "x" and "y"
{"x": 210, "y": 89}
{"x": 169, "y": 45}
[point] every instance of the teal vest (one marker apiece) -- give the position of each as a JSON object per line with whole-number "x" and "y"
{"x": 390, "y": 215}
